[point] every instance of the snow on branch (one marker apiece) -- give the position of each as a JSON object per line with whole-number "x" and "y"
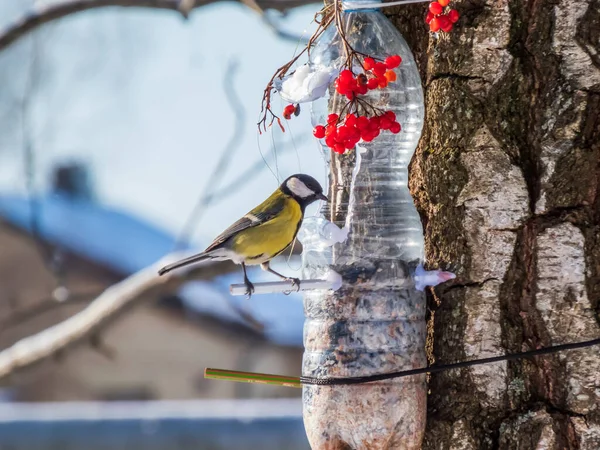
{"x": 141, "y": 285}
{"x": 48, "y": 13}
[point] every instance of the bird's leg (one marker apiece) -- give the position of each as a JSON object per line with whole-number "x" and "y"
{"x": 249, "y": 285}
{"x": 295, "y": 281}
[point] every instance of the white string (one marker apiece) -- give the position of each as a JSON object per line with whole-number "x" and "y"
{"x": 353, "y": 6}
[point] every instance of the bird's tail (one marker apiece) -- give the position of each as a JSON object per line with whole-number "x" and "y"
{"x": 184, "y": 262}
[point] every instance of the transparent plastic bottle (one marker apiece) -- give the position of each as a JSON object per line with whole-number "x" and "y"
{"x": 375, "y": 323}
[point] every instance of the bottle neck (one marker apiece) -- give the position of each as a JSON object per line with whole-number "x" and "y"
{"x": 359, "y": 5}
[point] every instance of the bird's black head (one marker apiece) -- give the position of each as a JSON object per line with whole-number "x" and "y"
{"x": 303, "y": 188}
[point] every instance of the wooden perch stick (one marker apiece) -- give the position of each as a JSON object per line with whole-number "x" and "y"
{"x": 252, "y": 377}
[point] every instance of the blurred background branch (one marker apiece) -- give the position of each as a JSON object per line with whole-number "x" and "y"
{"x": 48, "y": 13}
{"x": 226, "y": 158}
{"x": 271, "y": 22}
{"x": 88, "y": 322}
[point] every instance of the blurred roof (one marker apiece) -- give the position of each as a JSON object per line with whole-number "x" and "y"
{"x": 125, "y": 244}
{"x": 268, "y": 424}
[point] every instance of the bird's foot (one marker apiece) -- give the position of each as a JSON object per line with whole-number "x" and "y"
{"x": 295, "y": 283}
{"x": 249, "y": 288}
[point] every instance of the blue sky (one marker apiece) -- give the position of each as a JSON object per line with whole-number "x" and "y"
{"x": 138, "y": 94}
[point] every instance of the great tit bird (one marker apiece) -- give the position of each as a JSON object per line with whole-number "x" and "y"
{"x": 264, "y": 232}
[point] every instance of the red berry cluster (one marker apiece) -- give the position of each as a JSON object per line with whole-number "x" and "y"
{"x": 341, "y": 136}
{"x": 439, "y": 21}
{"x": 376, "y": 75}
{"x": 343, "y": 133}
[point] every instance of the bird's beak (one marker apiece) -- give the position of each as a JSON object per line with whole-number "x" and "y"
{"x": 322, "y": 197}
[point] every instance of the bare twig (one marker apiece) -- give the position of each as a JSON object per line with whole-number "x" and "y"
{"x": 281, "y": 33}
{"x": 48, "y": 13}
{"x": 267, "y": 113}
{"x": 248, "y": 174}
{"x": 330, "y": 14}
{"x": 226, "y": 158}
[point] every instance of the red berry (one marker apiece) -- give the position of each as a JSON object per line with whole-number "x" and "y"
{"x": 390, "y": 115}
{"x": 447, "y": 28}
{"x": 379, "y": 69}
{"x": 319, "y": 132}
{"x": 346, "y": 85}
{"x": 444, "y": 21}
{"x": 288, "y": 111}
{"x": 385, "y": 123}
{"x": 354, "y": 135}
{"x": 434, "y": 25}
{"x": 374, "y": 123}
{"x": 453, "y": 15}
{"x": 383, "y": 82}
{"x": 343, "y": 133}
{"x": 373, "y": 83}
{"x": 391, "y": 62}
{"x": 369, "y": 63}
{"x": 332, "y": 118}
{"x": 390, "y": 75}
{"x": 349, "y": 144}
{"x": 339, "y": 148}
{"x": 362, "y": 123}
{"x": 444, "y": 3}
{"x": 428, "y": 17}
{"x": 435, "y": 8}
{"x": 362, "y": 90}
{"x": 350, "y": 120}
{"x": 395, "y": 127}
{"x": 346, "y": 75}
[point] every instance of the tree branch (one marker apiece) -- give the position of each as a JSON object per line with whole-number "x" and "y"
{"x": 48, "y": 13}
{"x": 252, "y": 171}
{"x": 270, "y": 22}
{"x": 233, "y": 144}
{"x": 114, "y": 300}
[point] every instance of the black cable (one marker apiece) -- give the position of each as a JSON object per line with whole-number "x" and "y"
{"x": 459, "y": 365}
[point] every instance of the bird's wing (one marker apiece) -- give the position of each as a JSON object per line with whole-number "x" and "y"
{"x": 264, "y": 212}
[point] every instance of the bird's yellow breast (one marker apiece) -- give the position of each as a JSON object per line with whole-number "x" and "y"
{"x": 265, "y": 241}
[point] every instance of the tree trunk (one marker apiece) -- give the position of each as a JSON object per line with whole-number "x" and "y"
{"x": 506, "y": 179}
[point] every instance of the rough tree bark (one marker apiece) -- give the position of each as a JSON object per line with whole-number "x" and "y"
{"x": 507, "y": 179}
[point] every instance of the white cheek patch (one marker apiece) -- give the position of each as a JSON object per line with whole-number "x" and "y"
{"x": 298, "y": 188}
